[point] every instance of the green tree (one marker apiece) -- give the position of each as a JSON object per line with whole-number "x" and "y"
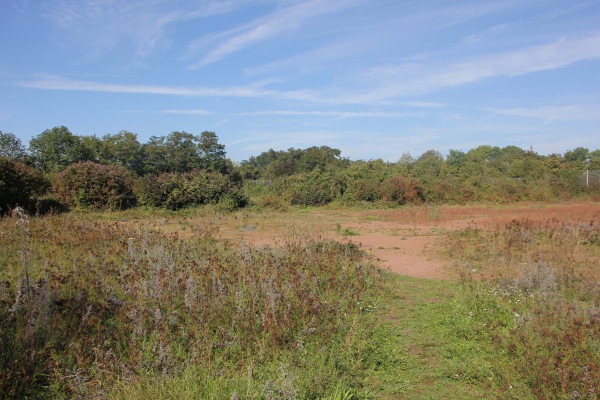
{"x": 405, "y": 163}
{"x": 323, "y": 157}
{"x": 155, "y": 156}
{"x": 55, "y": 149}
{"x": 11, "y": 147}
{"x": 429, "y": 165}
{"x": 510, "y": 162}
{"x": 577, "y": 159}
{"x": 123, "y": 149}
{"x": 183, "y": 153}
{"x": 481, "y": 162}
{"x": 455, "y": 161}
{"x": 212, "y": 153}
{"x": 594, "y": 160}
{"x": 93, "y": 146}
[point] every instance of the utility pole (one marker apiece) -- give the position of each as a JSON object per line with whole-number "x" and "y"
{"x": 587, "y": 178}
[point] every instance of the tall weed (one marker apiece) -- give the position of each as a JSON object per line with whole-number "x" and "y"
{"x": 114, "y": 307}
{"x": 542, "y": 279}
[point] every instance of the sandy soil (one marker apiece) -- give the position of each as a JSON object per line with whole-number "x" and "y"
{"x": 406, "y": 240}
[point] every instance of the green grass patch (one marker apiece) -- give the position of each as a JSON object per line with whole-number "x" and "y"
{"x": 427, "y": 346}
{"x": 345, "y": 231}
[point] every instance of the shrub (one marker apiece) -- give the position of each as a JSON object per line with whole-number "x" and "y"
{"x": 19, "y": 184}
{"x": 273, "y": 202}
{"x": 90, "y": 185}
{"x": 312, "y": 189}
{"x": 402, "y": 190}
{"x": 364, "y": 189}
{"x": 180, "y": 190}
{"x": 447, "y": 190}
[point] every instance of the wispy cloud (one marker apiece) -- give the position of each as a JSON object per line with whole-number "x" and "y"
{"x": 554, "y": 113}
{"x": 187, "y": 112}
{"x": 293, "y": 113}
{"x": 383, "y": 85}
{"x": 386, "y": 83}
{"x": 101, "y": 25}
{"x": 329, "y": 114}
{"x": 57, "y": 83}
{"x": 283, "y": 20}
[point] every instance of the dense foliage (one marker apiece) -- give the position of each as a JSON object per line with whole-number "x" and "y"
{"x": 196, "y": 188}
{"x": 95, "y": 186}
{"x": 485, "y": 173}
{"x": 11, "y": 147}
{"x": 19, "y": 184}
{"x": 314, "y": 176}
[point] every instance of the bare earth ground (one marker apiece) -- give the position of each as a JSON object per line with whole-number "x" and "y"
{"x": 405, "y": 240}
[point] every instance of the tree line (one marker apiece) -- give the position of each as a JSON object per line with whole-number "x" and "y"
{"x": 182, "y": 169}
{"x": 56, "y": 149}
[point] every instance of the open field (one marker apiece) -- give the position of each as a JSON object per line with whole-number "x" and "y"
{"x": 479, "y": 301}
{"x": 405, "y": 240}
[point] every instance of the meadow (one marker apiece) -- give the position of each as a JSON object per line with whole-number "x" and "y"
{"x": 268, "y": 304}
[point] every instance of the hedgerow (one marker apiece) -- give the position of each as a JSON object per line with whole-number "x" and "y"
{"x": 179, "y": 190}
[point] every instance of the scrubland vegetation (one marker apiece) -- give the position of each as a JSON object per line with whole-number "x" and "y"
{"x": 104, "y": 304}
{"x": 533, "y": 291}
{"x": 94, "y": 309}
{"x": 183, "y": 170}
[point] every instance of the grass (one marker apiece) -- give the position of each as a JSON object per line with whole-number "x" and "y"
{"x": 93, "y": 306}
{"x": 535, "y": 295}
{"x": 117, "y": 311}
{"x": 423, "y": 347}
{"x": 345, "y": 231}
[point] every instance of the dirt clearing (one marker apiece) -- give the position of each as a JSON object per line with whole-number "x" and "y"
{"x": 405, "y": 240}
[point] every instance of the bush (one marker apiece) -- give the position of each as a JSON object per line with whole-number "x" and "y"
{"x": 446, "y": 190}
{"x": 19, "y": 184}
{"x": 180, "y": 190}
{"x": 312, "y": 189}
{"x": 273, "y": 202}
{"x": 402, "y": 190}
{"x": 90, "y": 185}
{"x": 364, "y": 189}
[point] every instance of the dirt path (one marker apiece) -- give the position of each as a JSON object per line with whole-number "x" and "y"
{"x": 408, "y": 241}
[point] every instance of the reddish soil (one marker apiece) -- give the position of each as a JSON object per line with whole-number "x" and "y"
{"x": 405, "y": 240}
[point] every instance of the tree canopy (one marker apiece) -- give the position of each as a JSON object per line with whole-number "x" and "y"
{"x": 11, "y": 147}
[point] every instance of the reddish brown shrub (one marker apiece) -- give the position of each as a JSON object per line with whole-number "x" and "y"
{"x": 402, "y": 190}
{"x": 90, "y": 185}
{"x": 19, "y": 183}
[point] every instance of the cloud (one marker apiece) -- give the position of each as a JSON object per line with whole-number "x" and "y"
{"x": 187, "y": 112}
{"x": 554, "y": 113}
{"x": 272, "y": 25}
{"x": 413, "y": 79}
{"x": 57, "y": 83}
{"x": 385, "y": 85}
{"x": 331, "y": 114}
{"x": 99, "y": 26}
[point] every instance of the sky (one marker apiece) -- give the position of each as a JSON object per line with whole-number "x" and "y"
{"x": 373, "y": 78}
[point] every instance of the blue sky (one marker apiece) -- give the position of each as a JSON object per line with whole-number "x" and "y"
{"x": 374, "y": 78}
